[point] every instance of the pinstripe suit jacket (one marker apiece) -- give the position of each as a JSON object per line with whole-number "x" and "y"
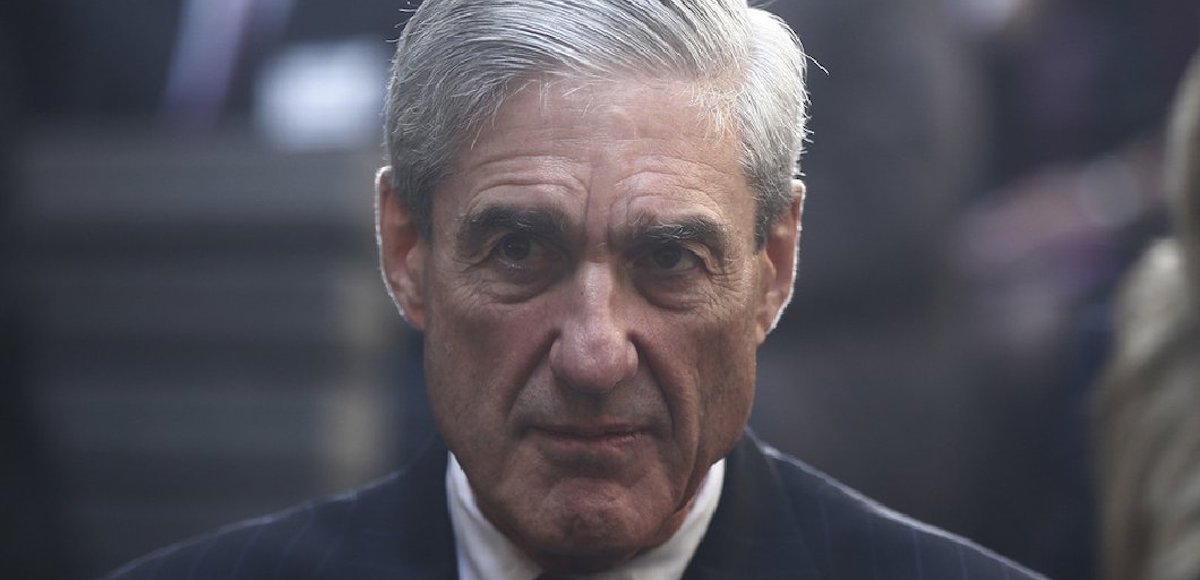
{"x": 777, "y": 518}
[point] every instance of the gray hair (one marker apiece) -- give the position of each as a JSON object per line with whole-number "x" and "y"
{"x": 1147, "y": 436}
{"x": 457, "y": 61}
{"x": 1183, "y": 169}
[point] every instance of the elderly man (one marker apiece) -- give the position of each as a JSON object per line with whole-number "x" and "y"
{"x": 590, "y": 213}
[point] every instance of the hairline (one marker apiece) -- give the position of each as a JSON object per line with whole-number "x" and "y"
{"x": 734, "y": 95}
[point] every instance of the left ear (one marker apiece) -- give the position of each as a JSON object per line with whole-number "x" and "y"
{"x": 778, "y": 263}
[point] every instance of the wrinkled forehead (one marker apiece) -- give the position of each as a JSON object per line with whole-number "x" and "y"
{"x": 635, "y": 148}
{"x": 547, "y": 98}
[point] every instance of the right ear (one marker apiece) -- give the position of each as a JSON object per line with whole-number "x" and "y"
{"x": 401, "y": 249}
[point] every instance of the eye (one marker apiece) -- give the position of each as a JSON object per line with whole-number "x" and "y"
{"x": 515, "y": 248}
{"x": 671, "y": 275}
{"x": 672, "y": 258}
{"x": 525, "y": 252}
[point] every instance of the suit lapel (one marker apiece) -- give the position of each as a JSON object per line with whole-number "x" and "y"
{"x": 754, "y": 533}
{"x": 403, "y": 528}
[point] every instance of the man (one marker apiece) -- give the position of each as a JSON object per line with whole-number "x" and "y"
{"x": 590, "y": 213}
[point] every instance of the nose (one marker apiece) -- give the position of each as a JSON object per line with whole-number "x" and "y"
{"x": 593, "y": 352}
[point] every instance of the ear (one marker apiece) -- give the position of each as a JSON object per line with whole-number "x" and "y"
{"x": 401, "y": 250}
{"x": 778, "y": 263}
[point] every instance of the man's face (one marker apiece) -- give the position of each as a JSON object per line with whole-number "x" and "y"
{"x": 592, "y": 299}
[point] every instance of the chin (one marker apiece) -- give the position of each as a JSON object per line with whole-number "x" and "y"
{"x": 592, "y": 535}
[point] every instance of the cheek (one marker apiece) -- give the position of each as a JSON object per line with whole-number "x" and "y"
{"x": 706, "y": 373}
{"x": 728, "y": 388}
{"x": 478, "y": 357}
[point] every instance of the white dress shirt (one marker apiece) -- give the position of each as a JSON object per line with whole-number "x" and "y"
{"x": 485, "y": 554}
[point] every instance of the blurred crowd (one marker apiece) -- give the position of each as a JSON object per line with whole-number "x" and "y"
{"x": 982, "y": 174}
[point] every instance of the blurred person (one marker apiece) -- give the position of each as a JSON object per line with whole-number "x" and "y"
{"x": 867, "y": 377}
{"x": 1148, "y": 402}
{"x": 1080, "y": 91}
{"x": 591, "y": 214}
{"x": 1072, "y": 80}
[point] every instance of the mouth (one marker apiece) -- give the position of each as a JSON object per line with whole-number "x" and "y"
{"x": 591, "y": 438}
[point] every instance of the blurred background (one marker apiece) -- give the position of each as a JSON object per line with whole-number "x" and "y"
{"x": 193, "y": 330}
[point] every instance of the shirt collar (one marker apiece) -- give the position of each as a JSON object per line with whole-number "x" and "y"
{"x": 485, "y": 553}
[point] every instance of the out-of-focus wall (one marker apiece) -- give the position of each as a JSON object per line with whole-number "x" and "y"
{"x": 203, "y": 334}
{"x": 208, "y": 333}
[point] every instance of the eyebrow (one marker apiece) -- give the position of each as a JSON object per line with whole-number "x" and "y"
{"x": 697, "y": 229}
{"x": 477, "y": 226}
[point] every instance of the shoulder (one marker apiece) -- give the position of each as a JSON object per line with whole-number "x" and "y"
{"x": 302, "y": 538}
{"x": 859, "y": 533}
{"x": 397, "y": 527}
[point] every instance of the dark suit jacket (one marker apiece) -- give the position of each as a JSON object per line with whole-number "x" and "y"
{"x": 777, "y": 518}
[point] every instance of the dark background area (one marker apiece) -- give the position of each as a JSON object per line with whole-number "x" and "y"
{"x": 193, "y": 330}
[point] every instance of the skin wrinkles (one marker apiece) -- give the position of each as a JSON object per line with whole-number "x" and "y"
{"x": 543, "y": 228}
{"x": 592, "y": 301}
{"x": 514, "y": 171}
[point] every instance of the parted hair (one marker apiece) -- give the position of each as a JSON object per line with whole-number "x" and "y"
{"x": 458, "y": 60}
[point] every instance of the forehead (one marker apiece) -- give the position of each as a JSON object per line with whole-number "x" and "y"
{"x": 630, "y": 146}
